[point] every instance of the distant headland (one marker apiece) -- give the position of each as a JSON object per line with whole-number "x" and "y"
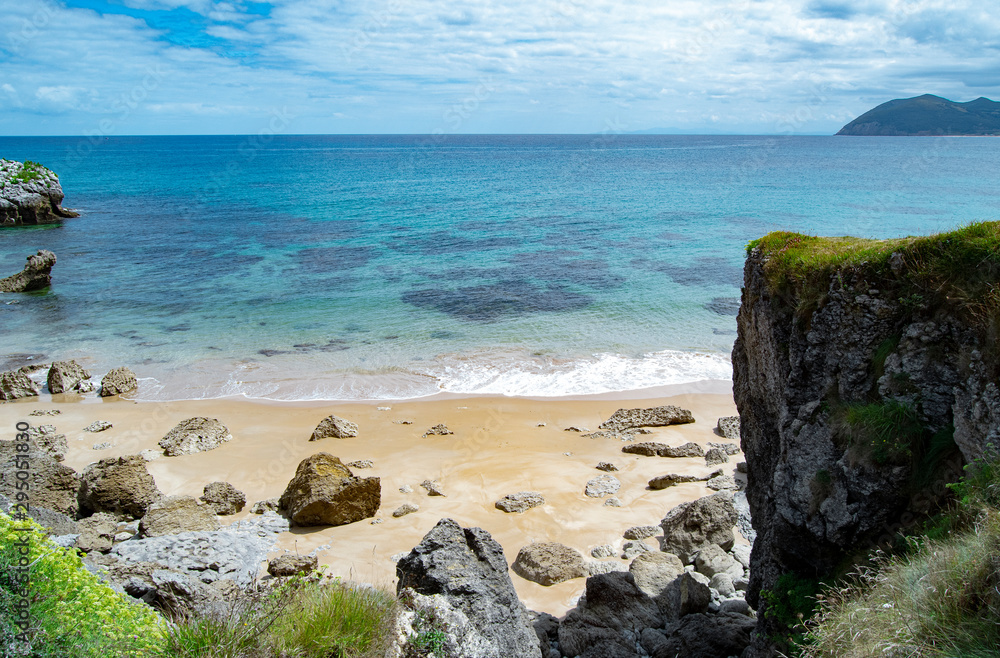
{"x": 928, "y": 115}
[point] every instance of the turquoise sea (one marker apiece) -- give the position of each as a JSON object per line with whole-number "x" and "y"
{"x": 341, "y": 267}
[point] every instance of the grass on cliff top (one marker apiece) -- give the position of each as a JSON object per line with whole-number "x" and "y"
{"x": 960, "y": 268}
{"x": 941, "y": 600}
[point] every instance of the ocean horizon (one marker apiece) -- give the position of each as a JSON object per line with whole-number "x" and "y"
{"x": 339, "y": 267}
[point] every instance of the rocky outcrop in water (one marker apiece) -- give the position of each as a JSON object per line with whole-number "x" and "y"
{"x": 66, "y": 376}
{"x": 30, "y": 194}
{"x": 118, "y": 381}
{"x": 825, "y": 358}
{"x": 36, "y": 275}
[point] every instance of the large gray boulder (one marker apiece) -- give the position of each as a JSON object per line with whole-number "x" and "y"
{"x": 468, "y": 568}
{"x": 224, "y": 498}
{"x": 66, "y": 376}
{"x": 624, "y": 419}
{"x": 36, "y": 275}
{"x": 118, "y": 381}
{"x": 52, "y": 485}
{"x": 194, "y": 435}
{"x": 612, "y": 610}
{"x": 702, "y": 636}
{"x": 325, "y": 492}
{"x": 15, "y": 384}
{"x": 119, "y": 485}
{"x": 335, "y": 427}
{"x": 548, "y": 563}
{"x": 176, "y": 514}
{"x": 30, "y": 194}
{"x": 694, "y": 525}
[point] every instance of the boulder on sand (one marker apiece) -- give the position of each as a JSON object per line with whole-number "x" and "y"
{"x": 325, "y": 492}
{"x": 335, "y": 427}
{"x": 36, "y": 275}
{"x": 624, "y": 419}
{"x": 224, "y": 498}
{"x": 548, "y": 563}
{"x": 521, "y": 501}
{"x": 119, "y": 485}
{"x": 118, "y": 381}
{"x": 194, "y": 435}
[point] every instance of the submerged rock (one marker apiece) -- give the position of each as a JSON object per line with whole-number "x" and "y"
{"x": 36, "y": 275}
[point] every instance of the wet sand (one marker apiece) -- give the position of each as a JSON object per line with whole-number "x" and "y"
{"x": 499, "y": 446}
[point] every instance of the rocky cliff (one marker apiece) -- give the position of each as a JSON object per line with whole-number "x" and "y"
{"x": 30, "y": 194}
{"x": 865, "y": 374}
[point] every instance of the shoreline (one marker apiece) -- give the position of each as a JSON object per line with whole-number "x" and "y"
{"x": 500, "y": 445}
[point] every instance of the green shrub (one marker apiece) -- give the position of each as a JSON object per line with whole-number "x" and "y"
{"x": 884, "y": 431}
{"x": 313, "y": 617}
{"x": 29, "y": 171}
{"x": 71, "y": 612}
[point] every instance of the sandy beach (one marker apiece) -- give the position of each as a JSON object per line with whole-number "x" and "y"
{"x": 499, "y": 446}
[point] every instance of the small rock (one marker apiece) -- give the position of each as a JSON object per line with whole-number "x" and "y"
{"x": 540, "y": 425}
{"x": 738, "y": 606}
{"x": 519, "y": 502}
{"x": 573, "y": 428}
{"x": 291, "y": 565}
{"x": 404, "y": 509}
{"x": 335, "y": 427}
{"x": 723, "y": 584}
{"x": 712, "y": 560}
{"x": 262, "y": 506}
{"x": 224, "y": 498}
{"x": 403, "y": 422}
{"x": 123, "y": 536}
{"x": 633, "y": 548}
{"x": 642, "y": 531}
{"x": 613, "y": 502}
{"x": 715, "y": 456}
{"x": 604, "y": 550}
{"x": 104, "y": 445}
{"x": 607, "y": 466}
{"x": 439, "y": 429}
{"x": 96, "y": 533}
{"x": 45, "y": 412}
{"x": 432, "y": 487}
{"x": 741, "y": 553}
{"x": 384, "y": 408}
{"x": 729, "y": 427}
{"x": 86, "y": 387}
{"x": 664, "y": 481}
{"x": 118, "y": 381}
{"x": 728, "y": 448}
{"x": 741, "y": 467}
{"x": 722, "y": 483}
{"x": 377, "y": 521}
{"x": 654, "y": 571}
{"x": 150, "y": 455}
{"x": 406, "y": 489}
{"x": 361, "y": 463}
{"x": 602, "y": 485}
{"x": 98, "y": 426}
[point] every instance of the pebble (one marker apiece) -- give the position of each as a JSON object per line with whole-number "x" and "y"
{"x": 98, "y": 426}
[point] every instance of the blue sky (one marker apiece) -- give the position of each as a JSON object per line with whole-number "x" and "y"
{"x": 520, "y": 66}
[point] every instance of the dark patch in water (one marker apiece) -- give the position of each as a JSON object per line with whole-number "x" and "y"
{"x": 302, "y": 346}
{"x": 723, "y": 332}
{"x": 390, "y": 337}
{"x": 446, "y": 242}
{"x": 332, "y": 259}
{"x": 443, "y": 335}
{"x": 178, "y": 327}
{"x": 561, "y": 266}
{"x": 709, "y": 270}
{"x": 269, "y": 352}
{"x": 497, "y": 301}
{"x": 724, "y": 305}
{"x": 17, "y": 360}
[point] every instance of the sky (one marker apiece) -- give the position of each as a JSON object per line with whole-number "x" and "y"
{"x": 118, "y": 67}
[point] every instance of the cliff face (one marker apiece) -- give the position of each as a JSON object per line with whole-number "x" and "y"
{"x": 849, "y": 375}
{"x": 30, "y": 194}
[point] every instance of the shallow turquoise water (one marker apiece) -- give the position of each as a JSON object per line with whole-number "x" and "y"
{"x": 391, "y": 266}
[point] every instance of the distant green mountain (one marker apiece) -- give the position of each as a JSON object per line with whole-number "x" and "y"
{"x": 928, "y": 115}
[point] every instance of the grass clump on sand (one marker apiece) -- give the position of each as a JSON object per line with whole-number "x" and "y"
{"x": 959, "y": 269}
{"x": 942, "y": 599}
{"x": 69, "y": 612}
{"x": 311, "y": 617}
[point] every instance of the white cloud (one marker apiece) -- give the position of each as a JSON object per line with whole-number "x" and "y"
{"x": 554, "y": 65}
